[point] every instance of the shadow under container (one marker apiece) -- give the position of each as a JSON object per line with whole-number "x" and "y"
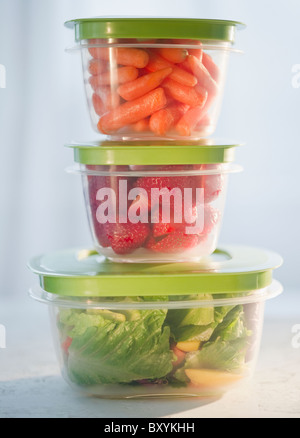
{"x": 173, "y": 330}
{"x": 155, "y": 203}
{"x": 153, "y": 78}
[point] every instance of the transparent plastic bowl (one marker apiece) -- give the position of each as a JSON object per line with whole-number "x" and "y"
{"x": 156, "y": 213}
{"x": 164, "y": 346}
{"x": 154, "y": 89}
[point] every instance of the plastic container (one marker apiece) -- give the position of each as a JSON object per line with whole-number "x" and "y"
{"x": 173, "y": 330}
{"x": 153, "y": 78}
{"x": 161, "y": 203}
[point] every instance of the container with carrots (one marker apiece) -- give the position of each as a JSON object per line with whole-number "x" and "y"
{"x": 155, "y": 203}
{"x": 154, "y": 78}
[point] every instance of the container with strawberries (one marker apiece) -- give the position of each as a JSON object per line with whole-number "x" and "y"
{"x": 154, "y": 78}
{"x": 155, "y": 203}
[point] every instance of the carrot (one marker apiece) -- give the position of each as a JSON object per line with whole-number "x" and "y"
{"x": 115, "y": 76}
{"x": 211, "y": 67}
{"x": 156, "y": 62}
{"x": 161, "y": 121}
{"x": 197, "y": 51}
{"x": 98, "y": 104}
{"x": 204, "y": 121}
{"x": 132, "y": 111}
{"x": 142, "y": 85}
{"x": 188, "y": 95}
{"x": 189, "y": 120}
{"x": 203, "y": 76}
{"x": 96, "y": 66}
{"x": 141, "y": 125}
{"x": 123, "y": 55}
{"x": 110, "y": 98}
{"x": 173, "y": 55}
{"x": 94, "y": 50}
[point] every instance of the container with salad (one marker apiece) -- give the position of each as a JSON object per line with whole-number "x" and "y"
{"x": 157, "y": 330}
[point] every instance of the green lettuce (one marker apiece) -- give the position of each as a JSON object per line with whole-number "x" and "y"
{"x": 108, "y": 350}
{"x": 225, "y": 349}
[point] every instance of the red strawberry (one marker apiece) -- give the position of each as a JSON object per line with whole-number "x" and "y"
{"x": 212, "y": 184}
{"x": 188, "y": 218}
{"x": 169, "y": 182}
{"x": 125, "y": 238}
{"x": 173, "y": 242}
{"x": 96, "y": 182}
{"x": 211, "y": 218}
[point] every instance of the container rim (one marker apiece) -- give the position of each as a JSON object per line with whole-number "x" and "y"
{"x": 259, "y": 295}
{"x": 225, "y": 169}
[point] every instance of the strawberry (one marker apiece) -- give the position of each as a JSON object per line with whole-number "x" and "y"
{"x": 161, "y": 228}
{"x": 96, "y": 182}
{"x": 160, "y": 182}
{"x": 212, "y": 184}
{"x": 173, "y": 242}
{"x": 211, "y": 218}
{"x": 125, "y": 238}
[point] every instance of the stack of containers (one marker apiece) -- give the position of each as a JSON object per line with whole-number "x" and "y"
{"x": 155, "y": 308}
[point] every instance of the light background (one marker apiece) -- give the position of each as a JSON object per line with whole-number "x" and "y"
{"x": 43, "y": 107}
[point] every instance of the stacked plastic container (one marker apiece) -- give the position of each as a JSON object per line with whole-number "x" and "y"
{"x": 155, "y": 308}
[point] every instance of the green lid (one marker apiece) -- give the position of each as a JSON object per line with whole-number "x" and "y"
{"x": 147, "y": 153}
{"x": 129, "y": 27}
{"x": 84, "y": 273}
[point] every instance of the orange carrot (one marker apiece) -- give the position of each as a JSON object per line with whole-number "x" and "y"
{"x": 115, "y": 76}
{"x": 197, "y": 51}
{"x": 132, "y": 111}
{"x": 110, "y": 98}
{"x": 123, "y": 55}
{"x": 142, "y": 85}
{"x": 156, "y": 62}
{"x": 203, "y": 76}
{"x": 98, "y": 104}
{"x": 175, "y": 55}
{"x": 211, "y": 66}
{"x": 96, "y": 67}
{"x": 204, "y": 121}
{"x": 161, "y": 121}
{"x": 189, "y": 120}
{"x": 94, "y": 50}
{"x": 182, "y": 93}
{"x": 141, "y": 125}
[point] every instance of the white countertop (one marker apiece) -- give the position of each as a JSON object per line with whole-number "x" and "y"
{"x": 31, "y": 384}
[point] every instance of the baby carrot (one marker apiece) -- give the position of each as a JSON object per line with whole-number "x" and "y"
{"x": 182, "y": 93}
{"x": 211, "y": 66}
{"x": 96, "y": 66}
{"x": 189, "y": 120}
{"x": 132, "y": 111}
{"x": 156, "y": 62}
{"x": 161, "y": 121}
{"x": 98, "y": 104}
{"x": 175, "y": 55}
{"x": 203, "y": 76}
{"x": 197, "y": 51}
{"x": 123, "y": 55}
{"x": 115, "y": 76}
{"x": 142, "y": 85}
{"x": 141, "y": 125}
{"x": 110, "y": 98}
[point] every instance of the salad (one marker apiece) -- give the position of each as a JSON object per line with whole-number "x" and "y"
{"x": 199, "y": 347}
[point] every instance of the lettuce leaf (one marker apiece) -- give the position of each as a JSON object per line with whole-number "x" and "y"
{"x": 109, "y": 351}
